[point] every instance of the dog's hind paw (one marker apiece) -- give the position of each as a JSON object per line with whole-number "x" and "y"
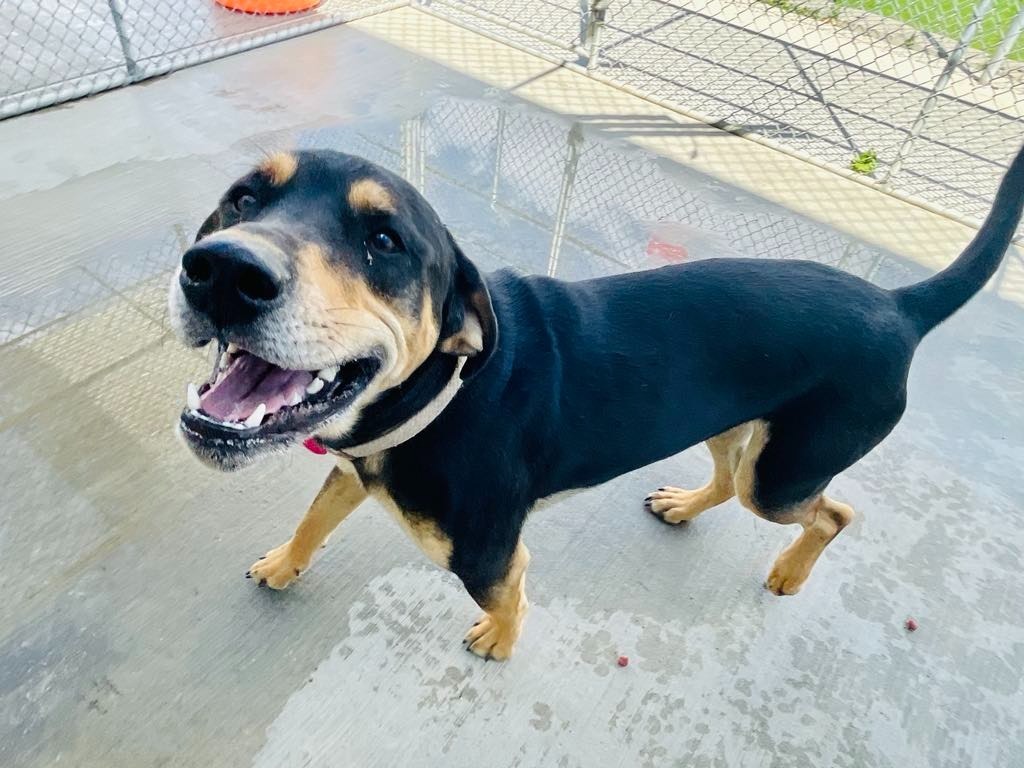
{"x": 675, "y": 505}
{"x": 788, "y": 574}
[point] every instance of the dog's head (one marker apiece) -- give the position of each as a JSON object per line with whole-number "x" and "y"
{"x": 326, "y": 280}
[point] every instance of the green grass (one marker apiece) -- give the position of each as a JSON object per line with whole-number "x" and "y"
{"x": 949, "y": 17}
{"x": 944, "y": 17}
{"x": 866, "y": 162}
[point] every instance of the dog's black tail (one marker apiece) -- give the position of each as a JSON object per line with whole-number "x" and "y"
{"x": 930, "y": 302}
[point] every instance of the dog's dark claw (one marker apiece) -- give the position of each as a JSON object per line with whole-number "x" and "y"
{"x": 262, "y": 558}
{"x": 248, "y": 575}
{"x": 661, "y": 489}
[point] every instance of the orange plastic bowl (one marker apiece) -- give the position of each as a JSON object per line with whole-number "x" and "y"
{"x": 268, "y": 6}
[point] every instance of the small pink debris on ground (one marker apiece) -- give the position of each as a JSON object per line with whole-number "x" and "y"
{"x": 911, "y": 625}
{"x": 670, "y": 252}
{"x": 623, "y": 661}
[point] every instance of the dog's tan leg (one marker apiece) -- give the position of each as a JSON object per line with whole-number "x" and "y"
{"x": 821, "y": 517}
{"x": 341, "y": 493}
{"x": 822, "y": 520}
{"x": 677, "y": 505}
{"x": 495, "y": 634}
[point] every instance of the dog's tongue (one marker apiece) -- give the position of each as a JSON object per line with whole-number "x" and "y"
{"x": 249, "y": 381}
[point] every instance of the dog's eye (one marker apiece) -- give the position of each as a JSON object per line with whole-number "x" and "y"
{"x": 244, "y": 201}
{"x": 385, "y": 241}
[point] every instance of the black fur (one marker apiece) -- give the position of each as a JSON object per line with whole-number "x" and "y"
{"x": 593, "y": 379}
{"x": 573, "y": 384}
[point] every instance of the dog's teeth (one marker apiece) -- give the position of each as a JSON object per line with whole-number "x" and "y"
{"x": 192, "y": 397}
{"x": 232, "y": 348}
{"x": 328, "y": 374}
{"x": 233, "y": 424}
{"x": 295, "y": 399}
{"x": 315, "y": 386}
{"x": 256, "y": 416}
{"x": 224, "y": 360}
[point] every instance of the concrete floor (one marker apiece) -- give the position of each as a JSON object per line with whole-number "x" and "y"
{"x": 128, "y": 636}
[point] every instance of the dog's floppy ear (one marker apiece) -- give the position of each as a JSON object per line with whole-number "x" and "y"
{"x": 469, "y": 326}
{"x": 212, "y": 224}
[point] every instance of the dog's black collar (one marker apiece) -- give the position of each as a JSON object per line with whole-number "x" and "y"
{"x": 399, "y": 404}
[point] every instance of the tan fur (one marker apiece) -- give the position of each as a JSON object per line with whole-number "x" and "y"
{"x": 468, "y": 340}
{"x": 421, "y": 335}
{"x": 495, "y": 635}
{"x": 426, "y": 533}
{"x": 346, "y": 311}
{"x": 369, "y": 195}
{"x": 279, "y": 168}
{"x": 677, "y": 505}
{"x": 341, "y": 493}
{"x": 735, "y": 454}
{"x": 743, "y": 472}
{"x": 822, "y": 519}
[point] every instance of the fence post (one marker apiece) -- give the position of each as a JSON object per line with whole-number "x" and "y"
{"x": 594, "y": 20}
{"x": 1005, "y": 46}
{"x": 117, "y": 14}
{"x": 952, "y": 62}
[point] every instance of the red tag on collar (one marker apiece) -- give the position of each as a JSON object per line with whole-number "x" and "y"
{"x": 314, "y": 446}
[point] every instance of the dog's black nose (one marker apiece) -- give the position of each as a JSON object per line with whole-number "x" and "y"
{"x": 228, "y": 282}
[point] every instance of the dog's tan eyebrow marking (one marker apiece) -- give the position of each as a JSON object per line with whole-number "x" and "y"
{"x": 368, "y": 195}
{"x": 280, "y": 167}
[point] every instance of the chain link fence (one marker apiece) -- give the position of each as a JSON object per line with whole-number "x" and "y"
{"x": 55, "y": 50}
{"x": 925, "y": 97}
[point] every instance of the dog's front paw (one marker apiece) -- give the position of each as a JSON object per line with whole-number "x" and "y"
{"x": 276, "y": 569}
{"x": 492, "y": 639}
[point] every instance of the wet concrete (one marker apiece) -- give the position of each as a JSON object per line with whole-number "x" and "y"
{"x": 129, "y": 637}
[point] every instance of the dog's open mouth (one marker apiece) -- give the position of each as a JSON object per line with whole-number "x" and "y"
{"x": 249, "y": 400}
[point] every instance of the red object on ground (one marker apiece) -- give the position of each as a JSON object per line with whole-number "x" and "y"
{"x": 268, "y": 7}
{"x": 671, "y": 252}
{"x": 623, "y": 661}
{"x": 911, "y": 625}
{"x": 314, "y": 446}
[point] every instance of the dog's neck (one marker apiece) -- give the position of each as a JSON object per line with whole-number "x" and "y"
{"x": 402, "y": 412}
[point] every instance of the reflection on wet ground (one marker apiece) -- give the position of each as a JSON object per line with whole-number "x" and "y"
{"x": 528, "y": 190}
{"x": 128, "y": 636}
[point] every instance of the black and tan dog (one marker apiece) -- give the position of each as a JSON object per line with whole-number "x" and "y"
{"x": 346, "y": 311}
